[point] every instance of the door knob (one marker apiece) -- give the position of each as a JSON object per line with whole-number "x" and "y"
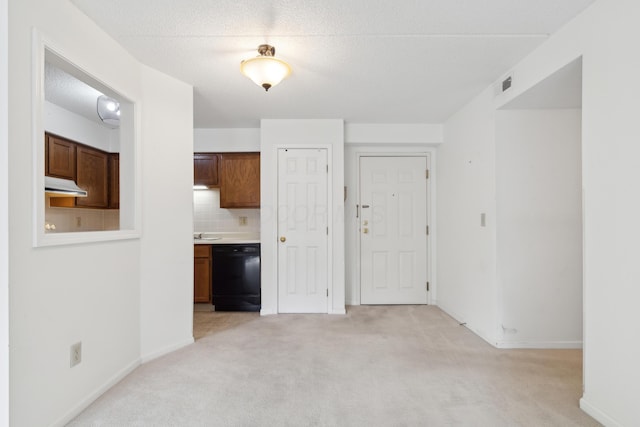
{"x": 365, "y": 230}
{"x": 283, "y": 239}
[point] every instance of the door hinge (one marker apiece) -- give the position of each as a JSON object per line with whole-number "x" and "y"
{"x": 427, "y": 286}
{"x": 327, "y": 292}
{"x": 427, "y": 230}
{"x": 327, "y": 231}
{"x": 426, "y": 173}
{"x": 327, "y": 168}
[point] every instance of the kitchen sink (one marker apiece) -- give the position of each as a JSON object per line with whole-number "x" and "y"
{"x": 223, "y": 237}
{"x": 205, "y": 236}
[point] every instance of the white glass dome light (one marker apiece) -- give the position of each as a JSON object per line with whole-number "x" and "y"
{"x": 108, "y": 111}
{"x": 265, "y": 70}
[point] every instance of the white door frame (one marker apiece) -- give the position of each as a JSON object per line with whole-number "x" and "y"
{"x": 330, "y": 218}
{"x": 431, "y": 210}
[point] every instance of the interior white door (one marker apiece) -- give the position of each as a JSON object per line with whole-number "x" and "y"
{"x": 302, "y": 230}
{"x": 393, "y": 230}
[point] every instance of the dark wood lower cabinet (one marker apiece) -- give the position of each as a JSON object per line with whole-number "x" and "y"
{"x": 202, "y": 268}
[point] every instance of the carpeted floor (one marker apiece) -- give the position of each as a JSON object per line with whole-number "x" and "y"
{"x": 376, "y": 366}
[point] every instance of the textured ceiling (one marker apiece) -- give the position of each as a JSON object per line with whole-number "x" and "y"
{"x": 366, "y": 61}
{"x": 68, "y": 92}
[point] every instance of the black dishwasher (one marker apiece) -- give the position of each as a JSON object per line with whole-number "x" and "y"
{"x": 236, "y": 277}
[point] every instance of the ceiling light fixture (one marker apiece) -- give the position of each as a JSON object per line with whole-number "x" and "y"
{"x": 108, "y": 110}
{"x": 265, "y": 70}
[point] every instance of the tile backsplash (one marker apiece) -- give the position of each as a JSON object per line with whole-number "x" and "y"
{"x": 77, "y": 219}
{"x": 208, "y": 216}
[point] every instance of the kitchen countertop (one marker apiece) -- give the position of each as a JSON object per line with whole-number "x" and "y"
{"x": 225, "y": 238}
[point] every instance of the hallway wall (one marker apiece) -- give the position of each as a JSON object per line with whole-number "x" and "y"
{"x": 539, "y": 228}
{"x": 605, "y": 36}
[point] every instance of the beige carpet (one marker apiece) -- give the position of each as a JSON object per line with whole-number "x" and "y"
{"x": 376, "y": 366}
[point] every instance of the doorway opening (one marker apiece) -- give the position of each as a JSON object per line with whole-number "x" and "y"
{"x": 539, "y": 214}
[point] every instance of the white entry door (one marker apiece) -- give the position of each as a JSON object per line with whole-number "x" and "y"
{"x": 302, "y": 230}
{"x": 393, "y": 230}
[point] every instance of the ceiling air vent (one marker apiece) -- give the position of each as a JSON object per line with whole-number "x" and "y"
{"x": 506, "y": 84}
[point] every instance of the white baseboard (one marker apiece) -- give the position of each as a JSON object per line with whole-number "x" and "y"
{"x": 597, "y": 414}
{"x": 540, "y": 344}
{"x": 169, "y": 349}
{"x": 515, "y": 344}
{"x": 264, "y": 312}
{"x": 469, "y": 326}
{"x": 84, "y": 404}
{"x": 338, "y": 311}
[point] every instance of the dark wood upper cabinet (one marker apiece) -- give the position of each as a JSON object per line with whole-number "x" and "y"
{"x": 240, "y": 180}
{"x": 114, "y": 181}
{"x": 93, "y": 170}
{"x": 92, "y": 175}
{"x": 60, "y": 157}
{"x": 205, "y": 169}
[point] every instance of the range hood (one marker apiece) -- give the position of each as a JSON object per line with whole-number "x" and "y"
{"x": 59, "y": 187}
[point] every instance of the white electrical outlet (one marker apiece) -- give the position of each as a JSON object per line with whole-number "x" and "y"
{"x": 75, "y": 354}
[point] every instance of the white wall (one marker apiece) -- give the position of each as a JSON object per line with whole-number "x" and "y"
{"x": 98, "y": 300}
{"x": 248, "y": 139}
{"x": 605, "y": 36}
{"x": 388, "y": 133}
{"x": 539, "y": 228}
{"x": 316, "y": 133}
{"x": 226, "y": 140}
{"x": 4, "y": 218}
{"x": 64, "y": 123}
{"x": 466, "y": 263}
{"x": 167, "y": 221}
{"x": 52, "y": 306}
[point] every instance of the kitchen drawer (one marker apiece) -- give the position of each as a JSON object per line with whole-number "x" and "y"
{"x": 201, "y": 251}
